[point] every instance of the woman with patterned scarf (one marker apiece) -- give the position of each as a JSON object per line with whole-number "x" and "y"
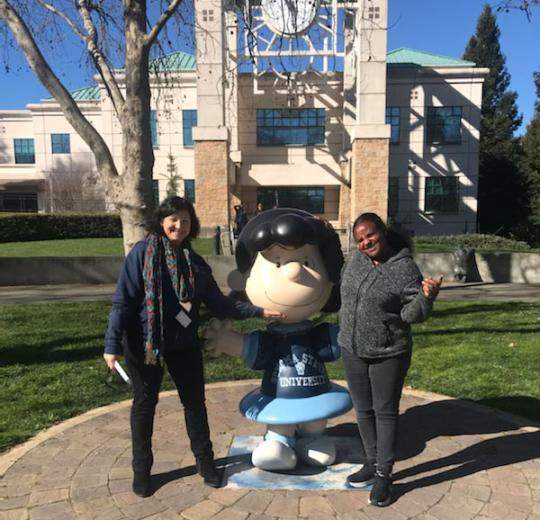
{"x": 156, "y": 306}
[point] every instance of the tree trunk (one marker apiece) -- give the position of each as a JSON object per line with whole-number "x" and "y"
{"x": 138, "y": 154}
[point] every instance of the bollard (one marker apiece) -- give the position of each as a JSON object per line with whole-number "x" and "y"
{"x": 462, "y": 261}
{"x": 217, "y": 241}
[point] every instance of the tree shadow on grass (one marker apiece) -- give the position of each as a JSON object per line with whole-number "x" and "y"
{"x": 64, "y": 349}
{"x": 470, "y": 330}
{"x": 474, "y": 308}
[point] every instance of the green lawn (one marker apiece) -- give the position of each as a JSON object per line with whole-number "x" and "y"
{"x": 82, "y": 247}
{"x": 51, "y": 366}
{"x": 203, "y": 246}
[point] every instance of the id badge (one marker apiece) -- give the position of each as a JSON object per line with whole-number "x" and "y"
{"x": 183, "y": 319}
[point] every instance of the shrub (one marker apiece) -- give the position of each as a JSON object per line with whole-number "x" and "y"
{"x": 473, "y": 240}
{"x": 22, "y": 227}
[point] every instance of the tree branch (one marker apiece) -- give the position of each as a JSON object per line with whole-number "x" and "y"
{"x": 45, "y": 74}
{"x": 99, "y": 59}
{"x": 163, "y": 19}
{"x": 64, "y": 17}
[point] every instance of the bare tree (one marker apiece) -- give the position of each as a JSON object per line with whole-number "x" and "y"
{"x": 523, "y": 5}
{"x": 82, "y": 191}
{"x": 99, "y": 25}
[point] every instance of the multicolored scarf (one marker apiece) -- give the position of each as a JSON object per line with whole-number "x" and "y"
{"x": 183, "y": 283}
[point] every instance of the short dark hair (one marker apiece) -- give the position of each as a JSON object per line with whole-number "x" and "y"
{"x": 397, "y": 238}
{"x": 168, "y": 207}
{"x": 288, "y": 227}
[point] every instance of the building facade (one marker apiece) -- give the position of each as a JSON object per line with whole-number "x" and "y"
{"x": 392, "y": 132}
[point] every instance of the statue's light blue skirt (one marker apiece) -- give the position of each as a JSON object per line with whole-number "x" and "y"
{"x": 262, "y": 408}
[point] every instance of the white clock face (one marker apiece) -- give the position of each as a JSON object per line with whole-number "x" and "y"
{"x": 290, "y": 17}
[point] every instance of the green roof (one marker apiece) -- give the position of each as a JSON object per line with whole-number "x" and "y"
{"x": 405, "y": 56}
{"x": 86, "y": 94}
{"x": 174, "y": 62}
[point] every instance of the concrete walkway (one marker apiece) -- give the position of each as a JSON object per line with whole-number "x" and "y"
{"x": 450, "y": 291}
{"x": 457, "y": 460}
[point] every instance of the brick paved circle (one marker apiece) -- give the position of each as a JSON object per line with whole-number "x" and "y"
{"x": 456, "y": 461}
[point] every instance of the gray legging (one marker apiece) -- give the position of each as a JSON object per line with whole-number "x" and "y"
{"x": 375, "y": 386}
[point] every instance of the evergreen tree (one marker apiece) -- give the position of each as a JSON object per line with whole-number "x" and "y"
{"x": 531, "y": 148}
{"x": 502, "y": 203}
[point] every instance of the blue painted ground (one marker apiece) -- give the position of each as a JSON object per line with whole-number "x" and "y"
{"x": 240, "y": 473}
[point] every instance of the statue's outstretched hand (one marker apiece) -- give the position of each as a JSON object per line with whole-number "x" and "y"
{"x": 221, "y": 339}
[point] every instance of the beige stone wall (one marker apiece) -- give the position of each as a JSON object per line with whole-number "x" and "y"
{"x": 369, "y": 177}
{"x": 211, "y": 183}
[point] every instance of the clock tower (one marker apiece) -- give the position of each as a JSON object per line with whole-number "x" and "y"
{"x": 273, "y": 64}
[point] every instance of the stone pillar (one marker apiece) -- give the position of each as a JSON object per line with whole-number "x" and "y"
{"x": 212, "y": 183}
{"x": 369, "y": 177}
{"x": 211, "y": 136}
{"x": 344, "y": 196}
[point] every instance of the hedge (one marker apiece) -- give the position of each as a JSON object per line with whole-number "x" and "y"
{"x": 21, "y": 227}
{"x": 475, "y": 241}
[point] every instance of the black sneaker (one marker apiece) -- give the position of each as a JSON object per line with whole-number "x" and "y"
{"x": 381, "y": 493}
{"x": 207, "y": 470}
{"x": 141, "y": 483}
{"x": 363, "y": 477}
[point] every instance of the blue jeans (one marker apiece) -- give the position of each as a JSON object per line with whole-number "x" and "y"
{"x": 375, "y": 386}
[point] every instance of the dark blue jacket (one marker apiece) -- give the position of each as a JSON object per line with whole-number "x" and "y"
{"x": 129, "y": 315}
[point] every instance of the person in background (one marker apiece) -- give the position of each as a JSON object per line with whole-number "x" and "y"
{"x": 382, "y": 293}
{"x": 259, "y": 208}
{"x": 161, "y": 286}
{"x": 240, "y": 219}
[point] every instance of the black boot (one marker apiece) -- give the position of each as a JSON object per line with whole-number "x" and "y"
{"x": 141, "y": 483}
{"x": 207, "y": 470}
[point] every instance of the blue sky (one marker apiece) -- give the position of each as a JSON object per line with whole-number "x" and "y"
{"x": 439, "y": 26}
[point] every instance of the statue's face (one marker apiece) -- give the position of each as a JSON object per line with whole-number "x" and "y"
{"x": 293, "y": 281}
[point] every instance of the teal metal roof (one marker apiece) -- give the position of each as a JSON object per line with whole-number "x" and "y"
{"x": 174, "y": 62}
{"x": 86, "y": 94}
{"x": 405, "y": 56}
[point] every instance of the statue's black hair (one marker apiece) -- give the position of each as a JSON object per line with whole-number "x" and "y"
{"x": 288, "y": 227}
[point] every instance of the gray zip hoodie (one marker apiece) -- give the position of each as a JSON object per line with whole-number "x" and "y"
{"x": 378, "y": 304}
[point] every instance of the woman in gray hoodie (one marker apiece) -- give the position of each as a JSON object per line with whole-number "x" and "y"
{"x": 382, "y": 293}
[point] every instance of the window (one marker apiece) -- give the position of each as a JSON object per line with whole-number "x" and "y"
{"x": 307, "y": 198}
{"x": 153, "y": 128}
{"x": 374, "y": 13}
{"x": 443, "y": 125}
{"x": 393, "y": 196}
{"x": 442, "y": 195}
{"x": 19, "y": 202}
{"x": 290, "y": 126}
{"x": 155, "y": 192}
{"x": 24, "y": 151}
{"x": 189, "y": 190}
{"x": 60, "y": 143}
{"x": 189, "y": 120}
{"x": 392, "y": 119}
